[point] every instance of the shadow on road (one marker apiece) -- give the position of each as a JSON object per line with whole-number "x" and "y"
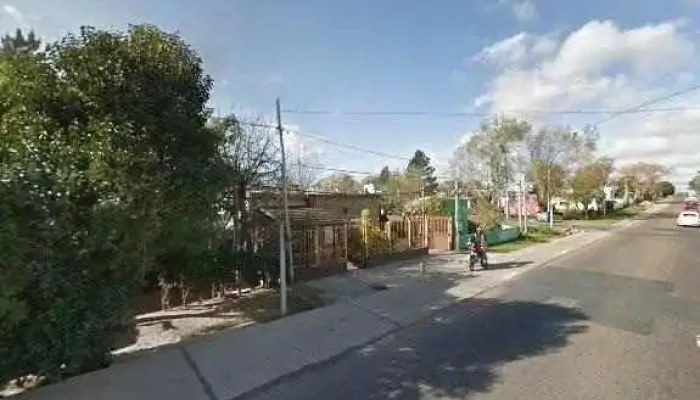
{"x": 657, "y": 215}
{"x": 508, "y": 265}
{"x": 457, "y": 356}
{"x": 458, "y": 352}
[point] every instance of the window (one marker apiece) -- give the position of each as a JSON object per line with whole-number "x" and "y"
{"x": 328, "y": 233}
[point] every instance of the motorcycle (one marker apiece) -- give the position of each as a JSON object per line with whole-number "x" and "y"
{"x": 477, "y": 255}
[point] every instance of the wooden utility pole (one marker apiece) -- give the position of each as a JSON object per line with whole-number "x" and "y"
{"x": 550, "y": 211}
{"x": 285, "y": 199}
{"x": 456, "y": 215}
{"x": 283, "y": 272}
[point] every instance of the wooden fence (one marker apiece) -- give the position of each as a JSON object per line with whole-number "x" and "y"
{"x": 371, "y": 243}
{"x": 326, "y": 249}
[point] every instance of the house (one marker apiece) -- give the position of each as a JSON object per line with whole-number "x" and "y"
{"x": 318, "y": 222}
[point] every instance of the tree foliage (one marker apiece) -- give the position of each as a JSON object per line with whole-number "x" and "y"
{"x": 107, "y": 172}
{"x": 19, "y": 43}
{"x": 694, "y": 183}
{"x": 419, "y": 168}
{"x": 554, "y": 152}
{"x": 642, "y": 178}
{"x": 486, "y": 214}
{"x": 490, "y": 154}
{"x": 588, "y": 181}
{"x": 665, "y": 188}
{"x": 340, "y": 183}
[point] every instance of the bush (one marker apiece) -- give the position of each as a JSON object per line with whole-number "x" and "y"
{"x": 67, "y": 280}
{"x": 486, "y": 215}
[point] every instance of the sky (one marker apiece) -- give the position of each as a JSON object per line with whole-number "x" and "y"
{"x": 439, "y": 58}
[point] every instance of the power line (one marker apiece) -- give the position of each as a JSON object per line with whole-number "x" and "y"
{"x": 641, "y": 107}
{"x": 352, "y": 147}
{"x": 327, "y": 141}
{"x": 347, "y": 171}
{"x": 637, "y": 109}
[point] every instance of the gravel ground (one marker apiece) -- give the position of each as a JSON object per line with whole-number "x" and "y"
{"x": 168, "y": 327}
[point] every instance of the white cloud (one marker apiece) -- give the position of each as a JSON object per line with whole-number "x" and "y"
{"x": 602, "y": 65}
{"x": 17, "y": 16}
{"x": 517, "y": 50}
{"x": 524, "y": 10}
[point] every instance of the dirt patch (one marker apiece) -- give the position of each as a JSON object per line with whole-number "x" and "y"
{"x": 162, "y": 328}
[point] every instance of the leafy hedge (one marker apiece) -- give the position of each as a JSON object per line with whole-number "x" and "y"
{"x": 108, "y": 174}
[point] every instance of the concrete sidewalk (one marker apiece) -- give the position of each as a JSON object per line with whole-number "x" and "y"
{"x": 234, "y": 362}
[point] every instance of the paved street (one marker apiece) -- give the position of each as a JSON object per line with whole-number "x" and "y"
{"x": 616, "y": 321}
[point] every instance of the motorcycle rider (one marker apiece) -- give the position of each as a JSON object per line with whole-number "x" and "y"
{"x": 478, "y": 240}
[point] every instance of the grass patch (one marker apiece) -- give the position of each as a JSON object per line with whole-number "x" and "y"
{"x": 598, "y": 218}
{"x": 535, "y": 235}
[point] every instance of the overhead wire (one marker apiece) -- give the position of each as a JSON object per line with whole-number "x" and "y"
{"x": 636, "y": 109}
{"x": 641, "y": 108}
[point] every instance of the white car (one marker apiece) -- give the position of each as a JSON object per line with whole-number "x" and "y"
{"x": 688, "y": 218}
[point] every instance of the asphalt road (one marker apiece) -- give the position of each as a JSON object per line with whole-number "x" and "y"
{"x": 615, "y": 321}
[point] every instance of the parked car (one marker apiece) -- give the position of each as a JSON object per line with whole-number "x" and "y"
{"x": 689, "y": 218}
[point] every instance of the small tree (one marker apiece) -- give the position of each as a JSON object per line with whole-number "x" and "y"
{"x": 486, "y": 214}
{"x": 419, "y": 167}
{"x": 665, "y": 188}
{"x": 694, "y": 183}
{"x": 588, "y": 182}
{"x": 340, "y": 183}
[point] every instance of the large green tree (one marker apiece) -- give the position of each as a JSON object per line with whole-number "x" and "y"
{"x": 642, "y": 177}
{"x": 665, "y": 188}
{"x": 553, "y": 153}
{"x": 104, "y": 154}
{"x": 490, "y": 155}
{"x": 694, "y": 183}
{"x": 419, "y": 166}
{"x": 588, "y": 181}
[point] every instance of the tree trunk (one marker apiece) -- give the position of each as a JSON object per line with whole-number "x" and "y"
{"x": 165, "y": 287}
{"x": 244, "y": 237}
{"x": 184, "y": 291}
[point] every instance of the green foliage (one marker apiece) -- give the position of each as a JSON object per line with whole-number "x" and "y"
{"x": 428, "y": 205}
{"x": 665, "y": 188}
{"x": 419, "y": 166}
{"x": 694, "y": 183}
{"x": 340, "y": 183}
{"x": 642, "y": 178}
{"x": 19, "y": 43}
{"x": 588, "y": 182}
{"x": 107, "y": 172}
{"x": 489, "y": 154}
{"x": 485, "y": 214}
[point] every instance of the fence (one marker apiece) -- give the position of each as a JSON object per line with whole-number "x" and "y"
{"x": 321, "y": 250}
{"x": 370, "y": 244}
{"x": 318, "y": 250}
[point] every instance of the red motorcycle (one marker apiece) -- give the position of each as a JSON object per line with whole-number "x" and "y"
{"x": 477, "y": 253}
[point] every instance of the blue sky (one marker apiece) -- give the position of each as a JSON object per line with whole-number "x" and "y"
{"x": 411, "y": 55}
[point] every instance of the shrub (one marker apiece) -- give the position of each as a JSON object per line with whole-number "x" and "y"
{"x": 68, "y": 278}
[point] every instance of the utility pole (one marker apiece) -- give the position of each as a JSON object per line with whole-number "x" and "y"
{"x": 285, "y": 199}
{"x": 456, "y": 216}
{"x": 550, "y": 211}
{"x": 520, "y": 204}
{"x": 283, "y": 272}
